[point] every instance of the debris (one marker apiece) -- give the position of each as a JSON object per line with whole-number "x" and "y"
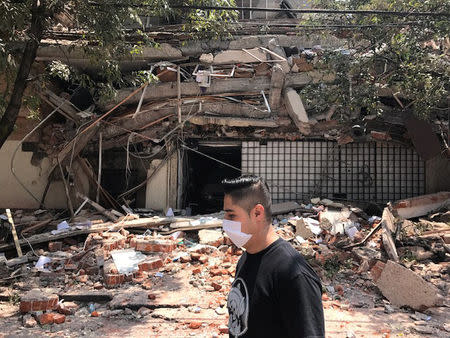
{"x": 42, "y": 262}
{"x": 284, "y": 208}
{"x": 402, "y": 286}
{"x": 210, "y": 237}
{"x": 14, "y": 233}
{"x": 28, "y": 321}
{"x": 421, "y": 205}
{"x": 388, "y": 231}
{"x": 38, "y": 300}
{"x": 296, "y": 110}
{"x": 127, "y": 261}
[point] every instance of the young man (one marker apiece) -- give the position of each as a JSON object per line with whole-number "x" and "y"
{"x": 275, "y": 292}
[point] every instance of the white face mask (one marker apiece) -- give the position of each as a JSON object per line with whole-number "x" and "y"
{"x": 233, "y": 230}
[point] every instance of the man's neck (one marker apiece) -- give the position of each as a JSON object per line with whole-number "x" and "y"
{"x": 267, "y": 238}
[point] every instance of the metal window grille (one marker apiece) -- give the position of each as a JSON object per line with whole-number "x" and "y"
{"x": 357, "y": 171}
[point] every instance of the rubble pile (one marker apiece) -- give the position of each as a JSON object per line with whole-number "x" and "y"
{"x": 155, "y": 266}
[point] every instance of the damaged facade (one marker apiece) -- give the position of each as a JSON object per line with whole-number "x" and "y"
{"x": 235, "y": 101}
{"x": 219, "y": 109}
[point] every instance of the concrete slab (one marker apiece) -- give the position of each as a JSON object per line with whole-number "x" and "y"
{"x": 403, "y": 287}
{"x": 421, "y": 205}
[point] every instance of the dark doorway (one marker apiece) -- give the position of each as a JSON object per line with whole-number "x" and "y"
{"x": 204, "y": 193}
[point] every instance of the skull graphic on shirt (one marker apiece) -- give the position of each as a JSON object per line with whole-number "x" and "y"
{"x": 238, "y": 308}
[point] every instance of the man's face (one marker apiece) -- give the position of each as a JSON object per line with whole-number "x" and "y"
{"x": 234, "y": 212}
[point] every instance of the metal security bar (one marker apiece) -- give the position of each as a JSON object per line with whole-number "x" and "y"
{"x": 357, "y": 171}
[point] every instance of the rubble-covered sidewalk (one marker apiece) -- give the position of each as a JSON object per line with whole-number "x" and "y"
{"x": 150, "y": 275}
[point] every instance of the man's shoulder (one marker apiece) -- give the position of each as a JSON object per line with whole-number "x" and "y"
{"x": 290, "y": 263}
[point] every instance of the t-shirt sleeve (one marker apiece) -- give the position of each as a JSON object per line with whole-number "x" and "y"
{"x": 300, "y": 301}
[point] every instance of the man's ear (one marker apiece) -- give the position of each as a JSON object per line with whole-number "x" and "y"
{"x": 259, "y": 212}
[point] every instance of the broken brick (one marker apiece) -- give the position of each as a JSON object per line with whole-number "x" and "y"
{"x": 59, "y": 318}
{"x": 37, "y": 300}
{"x": 153, "y": 245}
{"x": 150, "y": 264}
{"x": 196, "y": 271}
{"x": 194, "y": 325}
{"x": 223, "y": 329}
{"x": 95, "y": 314}
{"x": 46, "y": 318}
{"x": 216, "y": 286}
{"x": 54, "y": 246}
{"x": 114, "y": 279}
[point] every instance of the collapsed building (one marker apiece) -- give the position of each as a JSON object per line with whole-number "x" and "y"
{"x": 219, "y": 109}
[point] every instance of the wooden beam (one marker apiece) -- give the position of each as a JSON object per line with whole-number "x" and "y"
{"x": 14, "y": 233}
{"x": 138, "y": 223}
{"x": 222, "y": 108}
{"x": 276, "y": 86}
{"x": 167, "y": 90}
{"x": 234, "y": 122}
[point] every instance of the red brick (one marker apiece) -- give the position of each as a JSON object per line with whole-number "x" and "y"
{"x": 95, "y": 314}
{"x": 155, "y": 245}
{"x": 37, "y": 300}
{"x": 46, "y": 318}
{"x": 196, "y": 271}
{"x": 150, "y": 264}
{"x": 223, "y": 329}
{"x": 114, "y": 279}
{"x": 54, "y": 246}
{"x": 25, "y": 306}
{"x": 194, "y": 325}
{"x": 59, "y": 318}
{"x": 216, "y": 286}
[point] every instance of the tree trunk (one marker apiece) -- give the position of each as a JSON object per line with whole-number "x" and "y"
{"x": 29, "y": 54}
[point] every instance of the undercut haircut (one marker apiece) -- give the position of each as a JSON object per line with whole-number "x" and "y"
{"x": 248, "y": 191}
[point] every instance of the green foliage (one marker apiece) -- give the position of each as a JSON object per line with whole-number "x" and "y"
{"x": 384, "y": 52}
{"x": 211, "y": 24}
{"x": 111, "y": 31}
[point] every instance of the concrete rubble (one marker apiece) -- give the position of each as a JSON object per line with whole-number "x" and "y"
{"x": 83, "y": 276}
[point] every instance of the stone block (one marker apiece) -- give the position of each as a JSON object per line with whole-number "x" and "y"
{"x": 403, "y": 287}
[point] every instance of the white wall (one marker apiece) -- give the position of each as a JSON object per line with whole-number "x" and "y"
{"x": 13, "y": 195}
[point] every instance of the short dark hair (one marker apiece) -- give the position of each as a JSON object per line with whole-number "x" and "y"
{"x": 248, "y": 191}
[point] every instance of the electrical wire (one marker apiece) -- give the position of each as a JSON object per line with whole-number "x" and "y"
{"x": 285, "y": 10}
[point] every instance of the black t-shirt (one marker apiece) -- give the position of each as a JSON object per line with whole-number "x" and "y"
{"x": 275, "y": 294}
